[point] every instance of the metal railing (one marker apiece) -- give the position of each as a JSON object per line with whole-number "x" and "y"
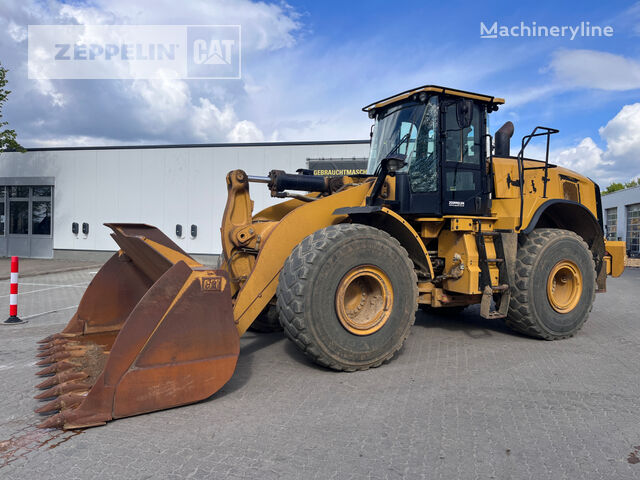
{"x": 537, "y": 132}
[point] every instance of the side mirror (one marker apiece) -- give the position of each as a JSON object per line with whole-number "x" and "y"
{"x": 464, "y": 112}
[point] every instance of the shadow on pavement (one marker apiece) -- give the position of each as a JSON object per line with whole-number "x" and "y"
{"x": 249, "y": 344}
{"x": 468, "y": 322}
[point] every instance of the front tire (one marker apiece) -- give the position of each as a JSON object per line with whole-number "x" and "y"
{"x": 347, "y": 296}
{"x": 555, "y": 283}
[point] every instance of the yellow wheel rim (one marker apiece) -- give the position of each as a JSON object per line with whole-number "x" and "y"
{"x": 364, "y": 299}
{"x": 564, "y": 286}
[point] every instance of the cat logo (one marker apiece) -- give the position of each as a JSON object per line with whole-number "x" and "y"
{"x": 212, "y": 284}
{"x": 214, "y": 52}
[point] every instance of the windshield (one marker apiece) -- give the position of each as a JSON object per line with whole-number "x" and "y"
{"x": 395, "y": 128}
{"x": 411, "y": 129}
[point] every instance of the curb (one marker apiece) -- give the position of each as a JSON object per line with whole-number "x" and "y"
{"x": 60, "y": 270}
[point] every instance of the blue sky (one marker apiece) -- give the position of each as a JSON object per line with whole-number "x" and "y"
{"x": 309, "y": 66}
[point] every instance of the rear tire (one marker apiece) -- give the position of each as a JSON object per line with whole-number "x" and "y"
{"x": 334, "y": 287}
{"x": 555, "y": 283}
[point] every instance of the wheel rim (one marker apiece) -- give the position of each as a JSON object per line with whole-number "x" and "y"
{"x": 364, "y": 299}
{"x": 564, "y": 286}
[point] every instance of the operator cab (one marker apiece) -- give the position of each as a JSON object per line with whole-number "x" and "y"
{"x": 440, "y": 135}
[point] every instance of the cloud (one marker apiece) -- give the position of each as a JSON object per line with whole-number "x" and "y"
{"x": 266, "y": 26}
{"x": 17, "y": 33}
{"x": 245, "y": 131}
{"x": 622, "y": 133}
{"x": 595, "y": 69}
{"x": 586, "y": 158}
{"x": 143, "y": 111}
{"x": 619, "y": 161}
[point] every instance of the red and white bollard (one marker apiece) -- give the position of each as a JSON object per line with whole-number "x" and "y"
{"x": 13, "y": 295}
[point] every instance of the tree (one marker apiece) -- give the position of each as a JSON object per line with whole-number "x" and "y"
{"x": 614, "y": 187}
{"x": 632, "y": 183}
{"x": 7, "y": 136}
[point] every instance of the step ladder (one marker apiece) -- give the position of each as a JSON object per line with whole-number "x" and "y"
{"x": 500, "y": 292}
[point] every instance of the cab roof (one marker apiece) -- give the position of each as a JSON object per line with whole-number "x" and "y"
{"x": 433, "y": 88}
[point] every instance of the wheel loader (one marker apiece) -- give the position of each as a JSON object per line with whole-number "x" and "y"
{"x": 444, "y": 218}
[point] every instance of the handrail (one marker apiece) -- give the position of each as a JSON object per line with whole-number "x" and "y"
{"x": 521, "y": 168}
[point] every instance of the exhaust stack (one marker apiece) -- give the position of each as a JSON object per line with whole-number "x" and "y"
{"x": 503, "y": 140}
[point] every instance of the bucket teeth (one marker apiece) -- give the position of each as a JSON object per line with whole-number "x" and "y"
{"x": 53, "y": 358}
{"x": 56, "y": 421}
{"x": 67, "y": 347}
{"x": 62, "y": 377}
{"x": 63, "y": 388}
{"x": 54, "y": 343}
{"x": 62, "y": 402}
{"x": 56, "y": 368}
{"x": 56, "y": 336}
{"x": 50, "y": 351}
{"x": 48, "y": 339}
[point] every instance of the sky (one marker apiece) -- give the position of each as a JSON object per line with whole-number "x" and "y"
{"x": 309, "y": 66}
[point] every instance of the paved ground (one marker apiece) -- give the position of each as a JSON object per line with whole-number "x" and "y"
{"x": 464, "y": 399}
{"x": 30, "y": 267}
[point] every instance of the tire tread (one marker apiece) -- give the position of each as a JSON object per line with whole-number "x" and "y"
{"x": 520, "y": 317}
{"x": 294, "y": 279}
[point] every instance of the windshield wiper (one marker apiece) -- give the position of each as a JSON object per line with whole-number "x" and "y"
{"x": 393, "y": 150}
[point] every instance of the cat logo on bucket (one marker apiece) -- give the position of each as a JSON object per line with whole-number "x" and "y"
{"x": 212, "y": 284}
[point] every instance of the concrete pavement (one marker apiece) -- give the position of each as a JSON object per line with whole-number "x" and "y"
{"x": 465, "y": 398}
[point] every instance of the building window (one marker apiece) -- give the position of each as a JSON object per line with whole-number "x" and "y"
{"x": 612, "y": 223}
{"x": 18, "y": 210}
{"x": 41, "y": 210}
{"x": 633, "y": 230}
{"x": 25, "y": 210}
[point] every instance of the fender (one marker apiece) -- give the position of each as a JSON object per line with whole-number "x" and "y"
{"x": 570, "y": 215}
{"x": 396, "y": 226}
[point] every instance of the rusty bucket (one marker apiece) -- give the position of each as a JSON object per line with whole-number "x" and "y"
{"x": 154, "y": 330}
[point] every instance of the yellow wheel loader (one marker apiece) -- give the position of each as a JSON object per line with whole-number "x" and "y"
{"x": 444, "y": 218}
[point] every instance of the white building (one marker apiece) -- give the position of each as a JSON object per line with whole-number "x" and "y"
{"x": 44, "y": 192}
{"x": 621, "y": 214}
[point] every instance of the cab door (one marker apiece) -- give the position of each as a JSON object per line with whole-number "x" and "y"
{"x": 463, "y": 181}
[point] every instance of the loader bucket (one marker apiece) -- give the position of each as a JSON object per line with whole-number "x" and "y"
{"x": 154, "y": 330}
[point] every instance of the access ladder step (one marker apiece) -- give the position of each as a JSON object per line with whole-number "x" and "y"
{"x": 503, "y": 301}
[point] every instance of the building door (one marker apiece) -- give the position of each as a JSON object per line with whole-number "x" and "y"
{"x": 26, "y": 221}
{"x": 612, "y": 223}
{"x": 633, "y": 230}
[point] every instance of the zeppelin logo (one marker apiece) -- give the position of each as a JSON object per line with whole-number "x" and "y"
{"x": 453, "y": 203}
{"x": 212, "y": 284}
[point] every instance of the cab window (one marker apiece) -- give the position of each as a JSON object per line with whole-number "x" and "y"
{"x": 423, "y": 166}
{"x": 462, "y": 147}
